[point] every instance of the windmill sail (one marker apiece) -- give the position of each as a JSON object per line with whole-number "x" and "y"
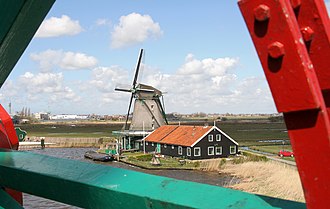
{"x": 148, "y": 112}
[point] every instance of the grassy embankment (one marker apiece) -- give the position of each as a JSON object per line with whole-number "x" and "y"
{"x": 143, "y": 160}
{"x": 272, "y": 149}
{"x": 71, "y": 130}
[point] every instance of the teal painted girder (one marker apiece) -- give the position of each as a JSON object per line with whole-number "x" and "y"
{"x": 19, "y": 20}
{"x": 95, "y": 186}
{"x": 6, "y": 201}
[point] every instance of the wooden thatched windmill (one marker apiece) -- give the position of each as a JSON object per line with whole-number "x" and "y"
{"x": 148, "y": 112}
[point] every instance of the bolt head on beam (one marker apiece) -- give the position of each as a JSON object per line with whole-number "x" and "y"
{"x": 307, "y": 33}
{"x": 276, "y": 50}
{"x": 262, "y": 12}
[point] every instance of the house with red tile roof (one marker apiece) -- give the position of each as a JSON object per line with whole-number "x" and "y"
{"x": 190, "y": 142}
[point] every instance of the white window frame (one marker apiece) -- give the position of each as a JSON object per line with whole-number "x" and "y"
{"x": 199, "y": 150}
{"x": 188, "y": 151}
{"x": 179, "y": 150}
{"x": 231, "y": 151}
{"x": 209, "y": 149}
{"x": 218, "y": 137}
{"x": 218, "y": 153}
{"x": 210, "y": 138}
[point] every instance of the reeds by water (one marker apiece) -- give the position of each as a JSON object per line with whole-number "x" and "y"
{"x": 260, "y": 177}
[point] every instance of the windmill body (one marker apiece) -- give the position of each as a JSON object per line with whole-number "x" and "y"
{"x": 148, "y": 112}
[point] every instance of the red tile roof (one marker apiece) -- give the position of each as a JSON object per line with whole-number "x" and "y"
{"x": 178, "y": 135}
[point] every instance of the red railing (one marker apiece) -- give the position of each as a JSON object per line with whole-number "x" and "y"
{"x": 292, "y": 41}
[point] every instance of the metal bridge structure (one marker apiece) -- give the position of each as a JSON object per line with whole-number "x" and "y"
{"x": 291, "y": 38}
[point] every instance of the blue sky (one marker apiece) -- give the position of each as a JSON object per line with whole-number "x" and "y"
{"x": 199, "y": 52}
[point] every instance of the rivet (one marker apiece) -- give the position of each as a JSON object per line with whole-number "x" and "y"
{"x": 295, "y": 3}
{"x": 307, "y": 33}
{"x": 276, "y": 50}
{"x": 262, "y": 12}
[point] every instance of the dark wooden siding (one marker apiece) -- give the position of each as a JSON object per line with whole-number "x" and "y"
{"x": 225, "y": 143}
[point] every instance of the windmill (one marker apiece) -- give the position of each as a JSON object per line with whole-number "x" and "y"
{"x": 148, "y": 112}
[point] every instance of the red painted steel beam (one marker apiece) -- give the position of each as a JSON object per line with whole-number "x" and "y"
{"x": 313, "y": 21}
{"x": 9, "y": 140}
{"x": 8, "y": 137}
{"x": 291, "y": 75}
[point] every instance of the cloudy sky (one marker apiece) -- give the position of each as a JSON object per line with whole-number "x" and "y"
{"x": 199, "y": 52}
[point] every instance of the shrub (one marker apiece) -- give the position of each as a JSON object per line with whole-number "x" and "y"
{"x": 238, "y": 160}
{"x": 146, "y": 157}
{"x": 222, "y": 162}
{"x": 251, "y": 157}
{"x": 131, "y": 158}
{"x": 197, "y": 164}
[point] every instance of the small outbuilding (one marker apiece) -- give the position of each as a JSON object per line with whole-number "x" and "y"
{"x": 190, "y": 142}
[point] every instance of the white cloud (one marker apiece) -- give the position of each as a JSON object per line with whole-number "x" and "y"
{"x": 74, "y": 61}
{"x": 103, "y": 21}
{"x": 134, "y": 28}
{"x": 36, "y": 86}
{"x": 206, "y": 85}
{"x": 105, "y": 79}
{"x": 54, "y": 27}
{"x": 199, "y": 85}
{"x": 51, "y": 59}
{"x": 8, "y": 91}
{"x": 210, "y": 85}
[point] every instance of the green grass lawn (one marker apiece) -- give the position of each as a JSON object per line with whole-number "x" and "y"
{"x": 249, "y": 133}
{"x": 246, "y": 134}
{"x": 255, "y": 131}
{"x": 274, "y": 149}
{"x": 94, "y": 130}
{"x": 143, "y": 160}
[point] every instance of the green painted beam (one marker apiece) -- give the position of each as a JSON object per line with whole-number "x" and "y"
{"x": 95, "y": 186}
{"x": 6, "y": 201}
{"x": 19, "y": 20}
{"x": 8, "y": 12}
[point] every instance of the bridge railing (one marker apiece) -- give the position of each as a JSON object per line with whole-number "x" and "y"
{"x": 90, "y": 185}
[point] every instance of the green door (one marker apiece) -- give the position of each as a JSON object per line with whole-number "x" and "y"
{"x": 158, "y": 150}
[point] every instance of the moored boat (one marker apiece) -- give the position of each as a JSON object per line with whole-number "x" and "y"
{"x": 98, "y": 156}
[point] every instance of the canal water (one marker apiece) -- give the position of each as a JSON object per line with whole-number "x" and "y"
{"x": 33, "y": 202}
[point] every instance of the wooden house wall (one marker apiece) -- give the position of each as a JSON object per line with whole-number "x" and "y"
{"x": 225, "y": 143}
{"x": 168, "y": 150}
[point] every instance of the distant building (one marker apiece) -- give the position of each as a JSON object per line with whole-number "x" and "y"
{"x": 41, "y": 116}
{"x": 190, "y": 142}
{"x": 68, "y": 117}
